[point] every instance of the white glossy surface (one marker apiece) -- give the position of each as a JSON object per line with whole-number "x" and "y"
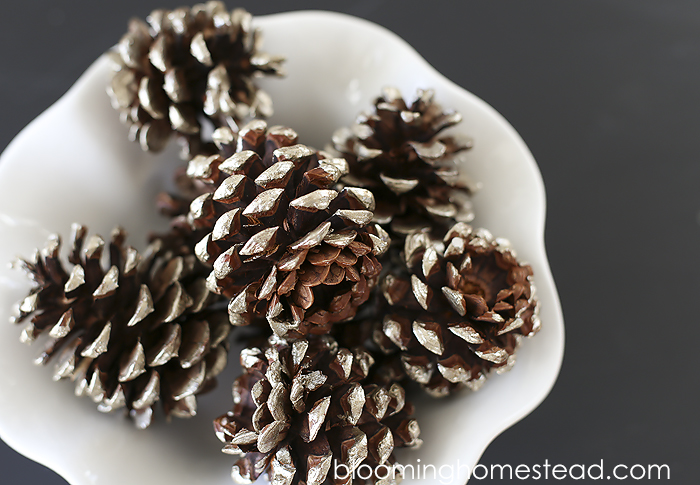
{"x": 73, "y": 163}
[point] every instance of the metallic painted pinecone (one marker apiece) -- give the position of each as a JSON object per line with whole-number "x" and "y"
{"x": 177, "y": 203}
{"x": 189, "y": 185}
{"x": 459, "y": 311}
{"x": 302, "y": 405}
{"x": 283, "y": 243}
{"x": 145, "y": 330}
{"x": 186, "y": 64}
{"x": 399, "y": 153}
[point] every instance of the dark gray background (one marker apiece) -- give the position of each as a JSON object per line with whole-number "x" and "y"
{"x": 607, "y": 95}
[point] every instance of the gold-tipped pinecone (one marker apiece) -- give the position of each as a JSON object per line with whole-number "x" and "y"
{"x": 144, "y": 330}
{"x": 398, "y": 151}
{"x": 301, "y": 405}
{"x": 284, "y": 244}
{"x": 186, "y": 64}
{"x": 459, "y": 310}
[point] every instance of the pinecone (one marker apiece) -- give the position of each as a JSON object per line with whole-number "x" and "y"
{"x": 459, "y": 311}
{"x": 399, "y": 153}
{"x": 176, "y": 204}
{"x": 145, "y": 330}
{"x": 186, "y": 64}
{"x": 283, "y": 243}
{"x": 300, "y": 406}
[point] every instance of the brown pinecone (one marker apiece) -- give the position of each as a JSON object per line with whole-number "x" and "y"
{"x": 283, "y": 243}
{"x": 145, "y": 330}
{"x": 460, "y": 309}
{"x": 301, "y": 406}
{"x": 177, "y": 203}
{"x": 186, "y": 64}
{"x": 398, "y": 152}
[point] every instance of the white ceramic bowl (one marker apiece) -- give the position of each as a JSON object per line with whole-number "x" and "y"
{"x": 73, "y": 163}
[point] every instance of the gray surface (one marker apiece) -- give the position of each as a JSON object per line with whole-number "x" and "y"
{"x": 607, "y": 96}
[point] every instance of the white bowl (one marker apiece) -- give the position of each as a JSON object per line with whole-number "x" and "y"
{"x": 73, "y": 163}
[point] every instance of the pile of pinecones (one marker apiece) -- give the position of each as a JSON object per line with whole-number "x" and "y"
{"x": 355, "y": 264}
